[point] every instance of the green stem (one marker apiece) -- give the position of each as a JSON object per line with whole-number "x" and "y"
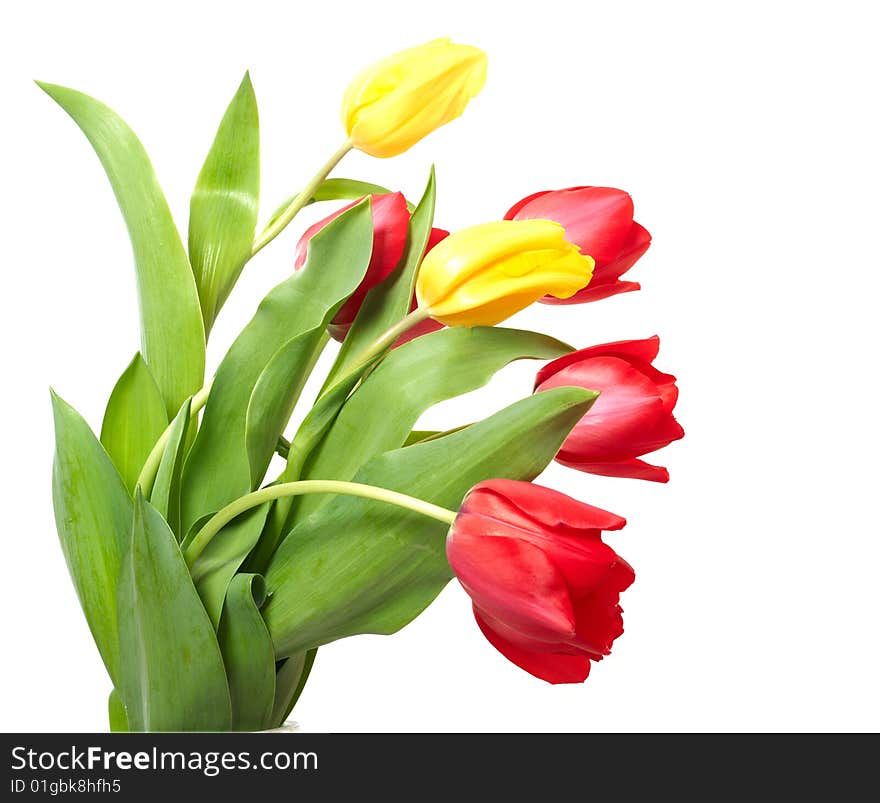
{"x": 220, "y": 520}
{"x": 387, "y": 339}
{"x": 148, "y": 473}
{"x": 278, "y": 225}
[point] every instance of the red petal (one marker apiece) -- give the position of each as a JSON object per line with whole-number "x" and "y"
{"x": 597, "y": 219}
{"x": 632, "y": 469}
{"x": 593, "y": 293}
{"x": 512, "y": 212}
{"x": 436, "y": 236}
{"x": 637, "y": 241}
{"x": 627, "y": 420}
{"x": 553, "y": 668}
{"x": 539, "y": 505}
{"x": 643, "y": 350}
{"x": 390, "y": 227}
{"x": 509, "y": 578}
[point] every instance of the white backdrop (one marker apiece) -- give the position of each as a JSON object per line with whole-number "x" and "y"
{"x": 747, "y": 134}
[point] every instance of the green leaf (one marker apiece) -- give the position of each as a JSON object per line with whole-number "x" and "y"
{"x": 116, "y": 713}
{"x": 224, "y": 204}
{"x": 336, "y": 189}
{"x": 93, "y": 517}
{"x": 362, "y": 566}
{"x": 382, "y": 411}
{"x": 310, "y": 432}
{"x": 275, "y": 395}
{"x": 290, "y": 680}
{"x": 133, "y": 421}
{"x": 221, "y": 464}
{"x": 389, "y": 301}
{"x": 418, "y": 435}
{"x": 248, "y": 654}
{"x": 383, "y": 306}
{"x": 221, "y": 559}
{"x": 172, "y": 676}
{"x": 165, "y": 496}
{"x": 172, "y": 334}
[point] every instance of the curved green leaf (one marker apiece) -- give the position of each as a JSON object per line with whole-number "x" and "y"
{"x": 219, "y": 466}
{"x": 172, "y": 675}
{"x": 133, "y": 421}
{"x": 290, "y": 680}
{"x": 382, "y": 411}
{"x": 221, "y": 559}
{"x": 275, "y": 395}
{"x": 93, "y": 516}
{"x": 247, "y": 654}
{"x": 224, "y": 204}
{"x": 362, "y": 566}
{"x": 172, "y": 334}
{"x": 165, "y": 496}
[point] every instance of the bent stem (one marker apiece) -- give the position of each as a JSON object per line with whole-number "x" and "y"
{"x": 387, "y": 339}
{"x": 287, "y": 489}
{"x": 280, "y": 223}
{"x": 148, "y": 473}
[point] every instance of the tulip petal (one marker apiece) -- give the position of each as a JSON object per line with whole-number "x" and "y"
{"x": 627, "y": 420}
{"x": 526, "y": 503}
{"x": 597, "y": 219}
{"x": 553, "y": 668}
{"x": 591, "y": 293}
{"x": 637, "y": 242}
{"x": 511, "y": 578}
{"x": 631, "y": 469}
{"x": 645, "y": 350}
{"x": 514, "y": 210}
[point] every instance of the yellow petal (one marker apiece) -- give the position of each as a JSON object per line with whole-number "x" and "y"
{"x": 393, "y": 104}
{"x": 485, "y": 274}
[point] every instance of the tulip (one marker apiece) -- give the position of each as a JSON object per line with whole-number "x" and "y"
{"x": 631, "y": 417}
{"x": 482, "y": 275}
{"x": 390, "y": 106}
{"x": 545, "y": 588}
{"x": 600, "y": 221}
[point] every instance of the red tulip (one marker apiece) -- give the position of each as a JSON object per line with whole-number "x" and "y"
{"x": 390, "y": 225}
{"x": 631, "y": 417}
{"x": 600, "y": 221}
{"x": 545, "y": 588}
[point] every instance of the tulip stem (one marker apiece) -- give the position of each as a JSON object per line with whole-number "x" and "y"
{"x": 220, "y": 520}
{"x": 278, "y": 225}
{"x": 387, "y": 339}
{"x": 148, "y": 473}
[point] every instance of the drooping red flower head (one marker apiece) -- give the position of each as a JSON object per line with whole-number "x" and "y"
{"x": 600, "y": 221}
{"x": 631, "y": 417}
{"x": 390, "y": 225}
{"x": 545, "y": 588}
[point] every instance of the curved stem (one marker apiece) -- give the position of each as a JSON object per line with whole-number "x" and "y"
{"x": 220, "y": 520}
{"x": 148, "y": 473}
{"x": 387, "y": 339}
{"x": 279, "y": 224}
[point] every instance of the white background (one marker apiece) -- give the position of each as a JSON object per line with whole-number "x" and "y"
{"x": 747, "y": 134}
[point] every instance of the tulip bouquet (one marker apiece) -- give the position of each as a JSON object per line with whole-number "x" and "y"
{"x": 208, "y": 580}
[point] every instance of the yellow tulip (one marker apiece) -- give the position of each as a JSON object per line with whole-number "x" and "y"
{"x": 390, "y": 106}
{"x": 482, "y": 275}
